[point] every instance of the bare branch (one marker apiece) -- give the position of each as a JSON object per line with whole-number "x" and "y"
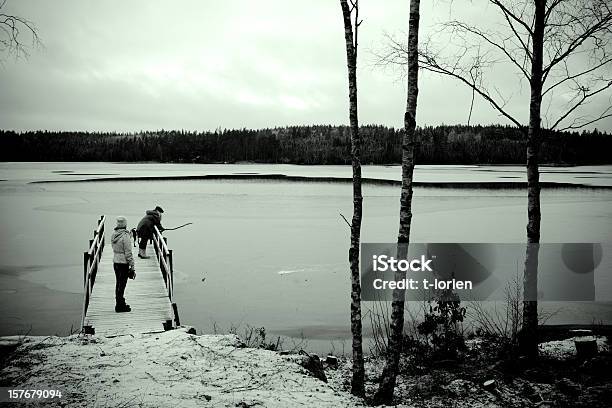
{"x": 471, "y": 106}
{"x": 345, "y": 220}
{"x": 430, "y": 62}
{"x": 524, "y": 44}
{"x": 580, "y": 125}
{"x": 585, "y": 95}
{"x": 574, "y": 27}
{"x": 550, "y": 9}
{"x": 11, "y": 33}
{"x": 487, "y": 37}
{"x": 570, "y": 77}
{"x": 577, "y": 47}
{"x": 509, "y": 15}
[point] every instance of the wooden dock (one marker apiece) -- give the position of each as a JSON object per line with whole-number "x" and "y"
{"x": 149, "y": 295}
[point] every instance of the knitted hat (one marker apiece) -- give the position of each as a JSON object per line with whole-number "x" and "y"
{"x": 121, "y": 222}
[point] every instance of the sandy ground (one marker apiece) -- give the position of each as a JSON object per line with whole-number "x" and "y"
{"x": 171, "y": 369}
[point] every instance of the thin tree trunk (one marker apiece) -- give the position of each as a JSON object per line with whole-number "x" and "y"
{"x": 357, "y": 383}
{"x": 529, "y": 344}
{"x": 388, "y": 380}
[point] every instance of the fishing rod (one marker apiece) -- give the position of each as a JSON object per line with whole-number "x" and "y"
{"x": 135, "y": 233}
{"x": 180, "y": 226}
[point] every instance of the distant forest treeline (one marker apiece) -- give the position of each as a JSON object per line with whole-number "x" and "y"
{"x": 443, "y": 144}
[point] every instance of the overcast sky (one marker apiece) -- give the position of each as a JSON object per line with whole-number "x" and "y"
{"x": 133, "y": 65}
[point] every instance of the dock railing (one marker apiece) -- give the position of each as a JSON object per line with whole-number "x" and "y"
{"x": 91, "y": 260}
{"x": 166, "y": 265}
{"x": 164, "y": 258}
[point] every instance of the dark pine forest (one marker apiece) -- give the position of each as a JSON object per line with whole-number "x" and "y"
{"x": 318, "y": 144}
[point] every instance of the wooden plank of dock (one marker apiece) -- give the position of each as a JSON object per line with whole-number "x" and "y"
{"x": 146, "y": 295}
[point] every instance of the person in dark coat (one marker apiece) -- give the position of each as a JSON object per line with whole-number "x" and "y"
{"x": 145, "y": 229}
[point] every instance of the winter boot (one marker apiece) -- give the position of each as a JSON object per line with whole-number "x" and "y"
{"x": 142, "y": 253}
{"x": 122, "y": 308}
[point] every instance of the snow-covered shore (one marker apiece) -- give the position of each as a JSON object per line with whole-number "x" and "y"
{"x": 179, "y": 369}
{"x": 170, "y": 369}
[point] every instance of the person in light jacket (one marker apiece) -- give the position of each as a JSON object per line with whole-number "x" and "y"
{"x": 123, "y": 262}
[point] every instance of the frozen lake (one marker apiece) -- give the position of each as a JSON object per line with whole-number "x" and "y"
{"x": 270, "y": 252}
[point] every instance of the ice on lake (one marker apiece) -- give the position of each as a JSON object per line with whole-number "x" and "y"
{"x": 264, "y": 252}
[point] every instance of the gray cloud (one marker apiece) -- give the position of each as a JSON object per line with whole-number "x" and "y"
{"x": 205, "y": 64}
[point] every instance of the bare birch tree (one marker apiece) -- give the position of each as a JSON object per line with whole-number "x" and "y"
{"x": 394, "y": 349}
{"x": 562, "y": 49}
{"x": 351, "y": 28}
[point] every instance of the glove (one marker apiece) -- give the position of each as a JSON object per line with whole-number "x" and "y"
{"x": 132, "y": 273}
